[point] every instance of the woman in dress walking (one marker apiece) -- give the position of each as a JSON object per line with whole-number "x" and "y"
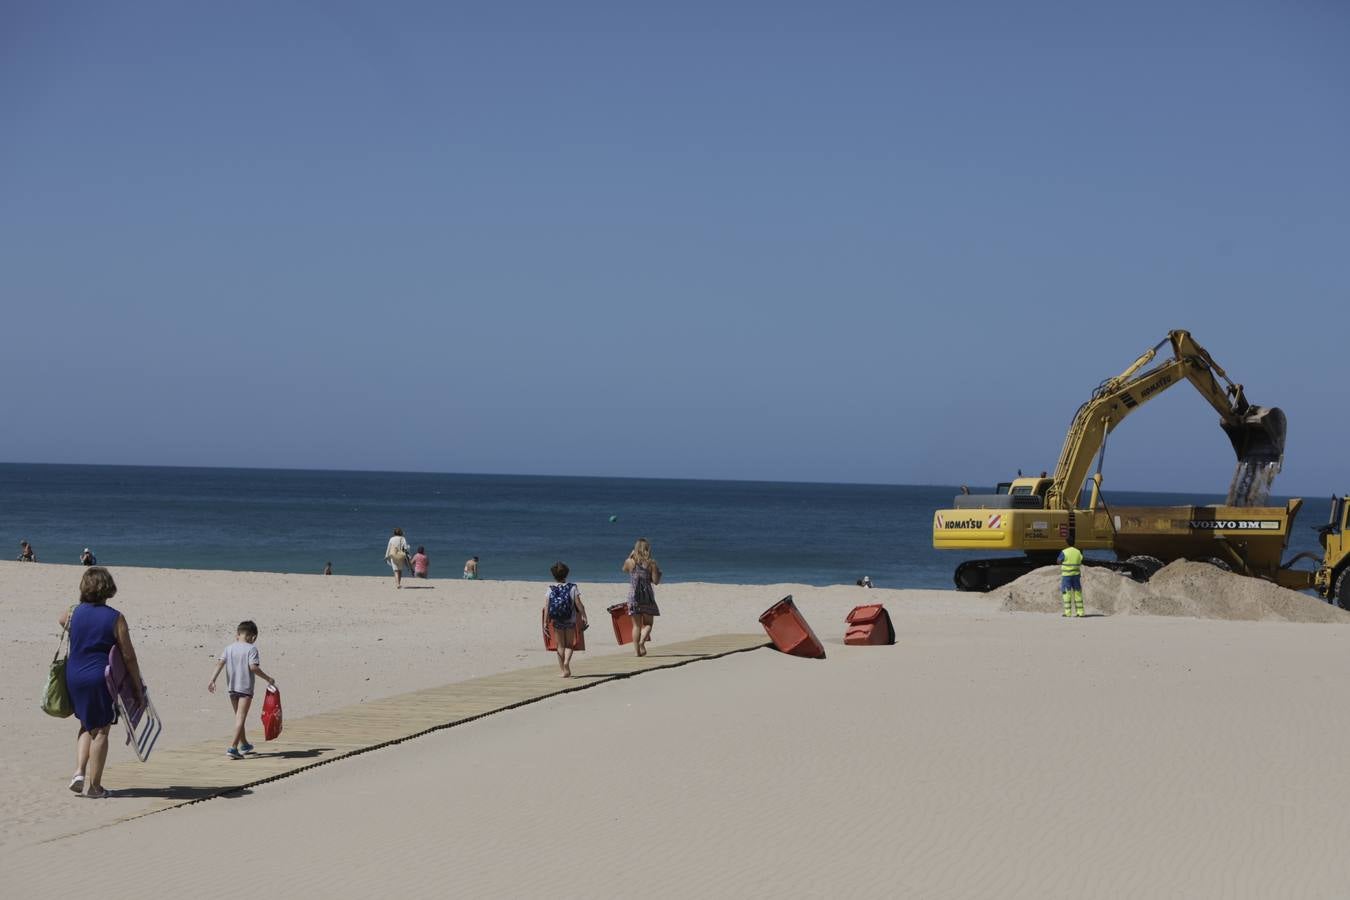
{"x": 643, "y": 573}
{"x": 94, "y": 628}
{"x": 396, "y": 553}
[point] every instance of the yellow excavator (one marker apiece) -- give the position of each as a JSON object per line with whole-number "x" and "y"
{"x": 1038, "y": 515}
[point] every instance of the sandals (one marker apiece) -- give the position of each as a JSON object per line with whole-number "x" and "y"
{"x": 102, "y": 794}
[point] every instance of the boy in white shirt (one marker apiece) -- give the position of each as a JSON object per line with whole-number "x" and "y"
{"x": 241, "y": 662}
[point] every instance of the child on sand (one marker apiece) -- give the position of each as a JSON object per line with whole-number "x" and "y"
{"x": 241, "y": 663}
{"x": 419, "y": 562}
{"x": 566, "y": 614}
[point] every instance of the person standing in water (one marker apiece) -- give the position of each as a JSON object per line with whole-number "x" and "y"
{"x": 471, "y": 568}
{"x": 643, "y": 573}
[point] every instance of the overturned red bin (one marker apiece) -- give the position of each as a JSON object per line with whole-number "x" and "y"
{"x": 623, "y": 623}
{"x": 551, "y": 643}
{"x": 789, "y": 631}
{"x": 869, "y": 624}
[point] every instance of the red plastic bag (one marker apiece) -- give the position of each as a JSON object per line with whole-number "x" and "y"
{"x": 271, "y": 714}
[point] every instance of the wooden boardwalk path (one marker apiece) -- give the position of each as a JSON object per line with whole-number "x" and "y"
{"x": 180, "y": 775}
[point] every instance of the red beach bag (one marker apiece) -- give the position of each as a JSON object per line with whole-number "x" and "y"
{"x": 271, "y": 714}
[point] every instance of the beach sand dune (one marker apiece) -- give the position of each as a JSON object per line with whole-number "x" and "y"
{"x": 987, "y": 754}
{"x": 1182, "y": 588}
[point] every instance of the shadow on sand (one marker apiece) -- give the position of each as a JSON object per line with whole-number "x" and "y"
{"x": 180, "y": 792}
{"x": 314, "y": 753}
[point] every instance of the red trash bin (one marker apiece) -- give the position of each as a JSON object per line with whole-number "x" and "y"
{"x": 789, "y": 631}
{"x": 869, "y": 624}
{"x": 623, "y": 623}
{"x": 550, "y": 643}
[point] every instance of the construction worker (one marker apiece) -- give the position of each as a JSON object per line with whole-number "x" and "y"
{"x": 1071, "y": 579}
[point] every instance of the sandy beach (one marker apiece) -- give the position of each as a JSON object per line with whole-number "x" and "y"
{"x": 990, "y": 753}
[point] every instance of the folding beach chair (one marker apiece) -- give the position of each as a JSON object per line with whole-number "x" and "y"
{"x": 142, "y": 721}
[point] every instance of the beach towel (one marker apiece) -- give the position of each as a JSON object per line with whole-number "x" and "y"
{"x": 142, "y": 721}
{"x": 271, "y": 714}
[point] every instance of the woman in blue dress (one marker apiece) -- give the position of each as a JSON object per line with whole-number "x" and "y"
{"x": 95, "y": 628}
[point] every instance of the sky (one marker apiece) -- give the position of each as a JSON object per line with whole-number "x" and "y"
{"x": 864, "y": 242}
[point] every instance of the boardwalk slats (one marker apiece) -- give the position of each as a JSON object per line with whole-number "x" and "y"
{"x": 179, "y": 775}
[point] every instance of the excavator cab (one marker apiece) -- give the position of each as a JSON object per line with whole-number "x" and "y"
{"x": 1338, "y": 524}
{"x": 1334, "y": 577}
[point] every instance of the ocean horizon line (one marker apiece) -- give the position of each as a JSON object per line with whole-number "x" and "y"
{"x": 667, "y": 479}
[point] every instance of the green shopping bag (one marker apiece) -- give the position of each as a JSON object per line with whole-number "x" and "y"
{"x": 56, "y": 699}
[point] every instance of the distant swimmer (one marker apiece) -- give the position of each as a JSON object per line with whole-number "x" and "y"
{"x": 87, "y": 558}
{"x": 471, "y": 568}
{"x": 328, "y": 568}
{"x": 26, "y": 553}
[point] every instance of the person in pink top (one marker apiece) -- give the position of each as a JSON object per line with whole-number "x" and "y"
{"x": 419, "y": 562}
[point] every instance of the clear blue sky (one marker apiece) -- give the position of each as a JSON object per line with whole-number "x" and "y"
{"x": 841, "y": 242}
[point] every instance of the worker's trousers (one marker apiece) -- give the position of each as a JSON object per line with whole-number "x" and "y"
{"x": 1071, "y": 592}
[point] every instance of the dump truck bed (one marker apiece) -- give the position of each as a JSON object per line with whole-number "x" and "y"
{"x": 1250, "y": 538}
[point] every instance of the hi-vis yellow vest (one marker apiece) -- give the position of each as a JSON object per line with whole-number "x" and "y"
{"x": 1073, "y": 562}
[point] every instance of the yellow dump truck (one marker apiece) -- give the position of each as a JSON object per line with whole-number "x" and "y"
{"x": 1037, "y": 516}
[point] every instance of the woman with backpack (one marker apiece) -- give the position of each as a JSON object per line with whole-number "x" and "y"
{"x": 643, "y": 572}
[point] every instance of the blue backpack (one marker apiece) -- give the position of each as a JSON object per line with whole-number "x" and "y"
{"x": 560, "y": 607}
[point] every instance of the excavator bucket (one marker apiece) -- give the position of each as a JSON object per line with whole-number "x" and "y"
{"x": 1259, "y": 437}
{"x": 1258, "y": 441}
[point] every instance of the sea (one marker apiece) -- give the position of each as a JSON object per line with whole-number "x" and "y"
{"x": 291, "y": 520}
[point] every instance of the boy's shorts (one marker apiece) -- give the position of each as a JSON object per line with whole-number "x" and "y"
{"x": 235, "y": 695}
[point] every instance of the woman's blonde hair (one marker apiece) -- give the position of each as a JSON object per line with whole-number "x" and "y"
{"x": 97, "y": 585}
{"x": 642, "y": 551}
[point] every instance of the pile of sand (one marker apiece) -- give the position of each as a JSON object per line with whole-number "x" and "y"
{"x": 1182, "y": 588}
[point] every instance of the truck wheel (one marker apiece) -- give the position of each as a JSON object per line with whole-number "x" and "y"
{"x": 1340, "y": 590}
{"x": 1142, "y": 568}
{"x": 1218, "y": 563}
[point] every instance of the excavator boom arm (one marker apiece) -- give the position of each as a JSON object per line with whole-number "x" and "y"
{"x": 1257, "y": 433}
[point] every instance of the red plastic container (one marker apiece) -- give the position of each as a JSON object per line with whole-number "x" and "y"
{"x": 869, "y": 624}
{"x": 550, "y": 643}
{"x": 789, "y": 631}
{"x": 271, "y": 714}
{"x": 623, "y": 623}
